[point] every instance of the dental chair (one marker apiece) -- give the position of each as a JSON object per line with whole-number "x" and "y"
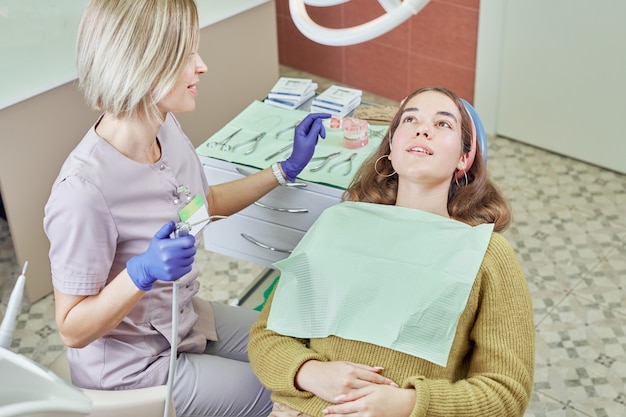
{"x": 28, "y": 389}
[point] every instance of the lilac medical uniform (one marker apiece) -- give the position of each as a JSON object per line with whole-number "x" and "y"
{"x": 104, "y": 208}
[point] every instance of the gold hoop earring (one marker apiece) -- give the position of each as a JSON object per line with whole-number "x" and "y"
{"x": 376, "y": 167}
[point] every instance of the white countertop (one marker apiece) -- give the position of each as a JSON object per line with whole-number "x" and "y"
{"x": 37, "y": 41}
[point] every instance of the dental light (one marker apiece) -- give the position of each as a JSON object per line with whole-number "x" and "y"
{"x": 396, "y": 13}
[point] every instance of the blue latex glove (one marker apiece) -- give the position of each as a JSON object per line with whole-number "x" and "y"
{"x": 304, "y": 141}
{"x": 166, "y": 259}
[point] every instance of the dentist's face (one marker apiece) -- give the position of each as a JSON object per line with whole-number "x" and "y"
{"x": 182, "y": 97}
{"x": 426, "y": 146}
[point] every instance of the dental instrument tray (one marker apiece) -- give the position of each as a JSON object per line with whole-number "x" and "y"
{"x": 262, "y": 134}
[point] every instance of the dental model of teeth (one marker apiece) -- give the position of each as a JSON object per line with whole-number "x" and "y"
{"x": 354, "y": 133}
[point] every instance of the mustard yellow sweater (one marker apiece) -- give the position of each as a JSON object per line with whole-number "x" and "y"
{"x": 489, "y": 371}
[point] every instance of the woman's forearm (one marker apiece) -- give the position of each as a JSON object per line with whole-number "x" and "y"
{"x": 230, "y": 197}
{"x": 83, "y": 319}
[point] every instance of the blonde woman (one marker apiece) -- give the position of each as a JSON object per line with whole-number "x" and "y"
{"x": 114, "y": 205}
{"x": 417, "y": 306}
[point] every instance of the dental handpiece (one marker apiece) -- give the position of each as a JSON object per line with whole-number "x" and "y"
{"x": 13, "y": 309}
{"x": 182, "y": 229}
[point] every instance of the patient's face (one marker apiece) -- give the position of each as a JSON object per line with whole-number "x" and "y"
{"x": 426, "y": 146}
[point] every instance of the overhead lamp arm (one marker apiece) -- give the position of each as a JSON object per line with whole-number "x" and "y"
{"x": 397, "y": 12}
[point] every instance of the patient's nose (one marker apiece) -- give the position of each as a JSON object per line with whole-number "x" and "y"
{"x": 422, "y": 130}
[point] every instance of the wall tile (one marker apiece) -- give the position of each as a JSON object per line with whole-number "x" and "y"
{"x": 377, "y": 69}
{"x": 425, "y": 71}
{"x": 282, "y": 8}
{"x": 296, "y": 51}
{"x": 470, "y": 4}
{"x": 446, "y": 32}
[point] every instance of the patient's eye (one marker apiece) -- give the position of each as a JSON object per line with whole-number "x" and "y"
{"x": 444, "y": 123}
{"x": 409, "y": 119}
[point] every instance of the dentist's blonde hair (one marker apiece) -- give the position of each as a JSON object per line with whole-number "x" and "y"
{"x": 130, "y": 53}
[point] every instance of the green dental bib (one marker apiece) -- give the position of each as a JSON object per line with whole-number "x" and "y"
{"x": 391, "y": 276}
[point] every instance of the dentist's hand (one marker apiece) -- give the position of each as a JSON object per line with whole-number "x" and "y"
{"x": 166, "y": 259}
{"x": 304, "y": 141}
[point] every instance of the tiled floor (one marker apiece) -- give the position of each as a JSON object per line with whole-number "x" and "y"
{"x": 569, "y": 231}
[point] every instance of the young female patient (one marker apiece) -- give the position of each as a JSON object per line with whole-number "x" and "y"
{"x": 405, "y": 299}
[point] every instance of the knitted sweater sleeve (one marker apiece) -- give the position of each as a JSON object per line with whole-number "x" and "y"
{"x": 275, "y": 358}
{"x": 500, "y": 372}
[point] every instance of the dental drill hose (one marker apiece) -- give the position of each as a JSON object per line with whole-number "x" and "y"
{"x": 173, "y": 351}
{"x": 182, "y": 229}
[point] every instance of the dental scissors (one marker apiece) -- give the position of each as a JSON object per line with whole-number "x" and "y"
{"x": 223, "y": 145}
{"x": 324, "y": 162}
{"x": 345, "y": 161}
{"x": 254, "y": 141}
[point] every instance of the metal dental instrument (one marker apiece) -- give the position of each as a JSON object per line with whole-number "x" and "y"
{"x": 286, "y": 129}
{"x": 255, "y": 142}
{"x": 345, "y": 161}
{"x": 184, "y": 228}
{"x": 223, "y": 145}
{"x": 278, "y": 152}
{"x": 376, "y": 133}
{"x": 324, "y": 162}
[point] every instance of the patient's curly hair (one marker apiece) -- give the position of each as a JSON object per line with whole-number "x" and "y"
{"x": 476, "y": 203}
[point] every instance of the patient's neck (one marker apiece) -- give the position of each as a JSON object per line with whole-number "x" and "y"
{"x": 426, "y": 198}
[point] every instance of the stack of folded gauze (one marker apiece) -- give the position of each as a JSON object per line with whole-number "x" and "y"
{"x": 354, "y": 132}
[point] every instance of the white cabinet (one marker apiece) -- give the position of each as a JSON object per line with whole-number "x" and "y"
{"x": 266, "y": 231}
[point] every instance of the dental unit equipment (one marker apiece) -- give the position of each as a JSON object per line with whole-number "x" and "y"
{"x": 13, "y": 309}
{"x": 33, "y": 390}
{"x": 182, "y": 229}
{"x": 396, "y": 13}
